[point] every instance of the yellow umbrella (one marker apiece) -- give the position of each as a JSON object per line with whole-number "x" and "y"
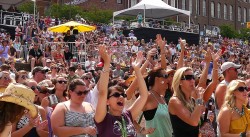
{"x": 66, "y": 26}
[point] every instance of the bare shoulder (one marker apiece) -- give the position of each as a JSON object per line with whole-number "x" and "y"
{"x": 173, "y": 104}
{"x": 225, "y": 112}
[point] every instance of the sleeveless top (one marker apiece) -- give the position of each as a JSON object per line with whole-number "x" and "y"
{"x": 161, "y": 121}
{"x": 24, "y": 121}
{"x": 76, "y": 119}
{"x": 239, "y": 125}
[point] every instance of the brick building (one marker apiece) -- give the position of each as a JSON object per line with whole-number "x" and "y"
{"x": 205, "y": 13}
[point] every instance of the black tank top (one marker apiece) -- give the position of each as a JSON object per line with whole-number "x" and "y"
{"x": 182, "y": 129}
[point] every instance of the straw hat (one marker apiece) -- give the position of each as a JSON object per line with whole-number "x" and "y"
{"x": 21, "y": 95}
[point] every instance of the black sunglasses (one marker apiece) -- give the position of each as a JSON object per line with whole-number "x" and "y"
{"x": 164, "y": 75}
{"x": 62, "y": 81}
{"x": 117, "y": 95}
{"x": 79, "y": 93}
{"x": 242, "y": 89}
{"x": 24, "y": 77}
{"x": 35, "y": 87}
{"x": 188, "y": 77}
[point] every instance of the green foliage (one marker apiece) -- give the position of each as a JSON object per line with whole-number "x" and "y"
{"x": 27, "y": 7}
{"x": 67, "y": 11}
{"x": 244, "y": 34}
{"x": 228, "y": 31}
{"x": 70, "y": 11}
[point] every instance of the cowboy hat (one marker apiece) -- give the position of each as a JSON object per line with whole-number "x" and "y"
{"x": 21, "y": 95}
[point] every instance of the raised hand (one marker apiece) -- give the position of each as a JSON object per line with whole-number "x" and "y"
{"x": 152, "y": 52}
{"x": 137, "y": 63}
{"x": 160, "y": 42}
{"x": 216, "y": 56}
{"x": 148, "y": 131}
{"x": 208, "y": 56}
{"x": 200, "y": 92}
{"x": 104, "y": 54}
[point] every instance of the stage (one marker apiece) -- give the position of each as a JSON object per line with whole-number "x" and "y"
{"x": 171, "y": 36}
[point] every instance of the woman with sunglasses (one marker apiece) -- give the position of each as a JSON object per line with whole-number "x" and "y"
{"x": 54, "y": 71}
{"x": 59, "y": 93}
{"x": 110, "y": 118}
{"x": 234, "y": 117}
{"x": 74, "y": 117}
{"x": 184, "y": 110}
{"x": 21, "y": 76}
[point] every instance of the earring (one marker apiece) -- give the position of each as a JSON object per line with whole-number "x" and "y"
{"x": 162, "y": 82}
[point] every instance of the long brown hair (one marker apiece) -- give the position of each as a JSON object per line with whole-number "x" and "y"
{"x": 9, "y": 113}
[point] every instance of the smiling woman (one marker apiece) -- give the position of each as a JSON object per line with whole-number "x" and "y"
{"x": 75, "y": 116}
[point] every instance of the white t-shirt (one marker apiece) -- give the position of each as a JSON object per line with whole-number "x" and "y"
{"x": 92, "y": 97}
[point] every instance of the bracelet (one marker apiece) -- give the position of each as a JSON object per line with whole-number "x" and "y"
{"x": 104, "y": 71}
{"x": 199, "y": 101}
{"x": 142, "y": 128}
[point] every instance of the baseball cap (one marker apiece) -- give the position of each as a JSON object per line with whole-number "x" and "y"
{"x": 39, "y": 68}
{"x": 228, "y": 65}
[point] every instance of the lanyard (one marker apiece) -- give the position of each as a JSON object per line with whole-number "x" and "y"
{"x": 123, "y": 127}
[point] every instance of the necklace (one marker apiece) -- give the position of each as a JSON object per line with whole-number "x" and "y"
{"x": 161, "y": 96}
{"x": 241, "y": 113}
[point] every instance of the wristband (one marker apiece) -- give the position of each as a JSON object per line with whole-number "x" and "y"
{"x": 142, "y": 128}
{"x": 104, "y": 71}
{"x": 199, "y": 101}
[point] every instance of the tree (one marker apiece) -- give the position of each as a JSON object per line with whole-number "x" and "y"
{"x": 228, "y": 31}
{"x": 67, "y": 11}
{"x": 27, "y": 7}
{"x": 245, "y": 33}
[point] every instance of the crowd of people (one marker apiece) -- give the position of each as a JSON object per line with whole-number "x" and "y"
{"x": 177, "y": 89}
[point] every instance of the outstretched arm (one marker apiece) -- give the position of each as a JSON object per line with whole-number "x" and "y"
{"x": 137, "y": 106}
{"x": 101, "y": 109}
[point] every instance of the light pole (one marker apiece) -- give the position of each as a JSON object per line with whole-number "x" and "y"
{"x": 34, "y": 10}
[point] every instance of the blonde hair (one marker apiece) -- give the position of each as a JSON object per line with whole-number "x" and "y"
{"x": 177, "y": 88}
{"x": 229, "y": 100}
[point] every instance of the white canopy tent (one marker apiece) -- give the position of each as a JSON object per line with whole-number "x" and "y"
{"x": 7, "y": 3}
{"x": 156, "y": 9}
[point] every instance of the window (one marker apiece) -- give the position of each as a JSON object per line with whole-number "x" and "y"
{"x": 119, "y": 1}
{"x": 245, "y": 15}
{"x": 231, "y": 12}
{"x": 212, "y": 9}
{"x": 239, "y": 13}
{"x": 172, "y": 3}
{"x": 183, "y": 4}
{"x": 204, "y": 8}
{"x": 248, "y": 14}
{"x": 225, "y": 11}
{"x": 190, "y": 6}
{"x": 218, "y": 10}
{"x": 132, "y": 3}
{"x": 197, "y": 7}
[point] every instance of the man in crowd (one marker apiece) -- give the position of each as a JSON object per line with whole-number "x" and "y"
{"x": 39, "y": 73}
{"x": 36, "y": 56}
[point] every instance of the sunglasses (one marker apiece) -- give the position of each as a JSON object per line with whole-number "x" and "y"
{"x": 53, "y": 68}
{"x": 164, "y": 75}
{"x": 188, "y": 77}
{"x": 117, "y": 95}
{"x": 87, "y": 78}
{"x": 6, "y": 78}
{"x": 242, "y": 89}
{"x": 35, "y": 87}
{"x": 62, "y": 81}
{"x": 79, "y": 93}
{"x": 24, "y": 77}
